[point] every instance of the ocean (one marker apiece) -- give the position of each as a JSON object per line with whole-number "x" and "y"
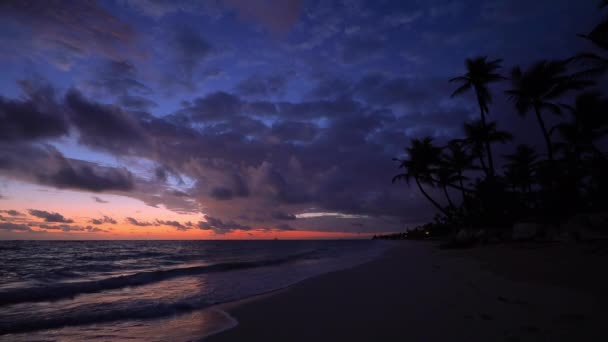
{"x": 150, "y": 290}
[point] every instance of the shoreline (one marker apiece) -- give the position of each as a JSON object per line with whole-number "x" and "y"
{"x": 416, "y": 291}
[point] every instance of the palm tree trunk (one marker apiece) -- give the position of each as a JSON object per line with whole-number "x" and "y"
{"x": 487, "y": 143}
{"x": 429, "y": 197}
{"x": 483, "y": 165}
{"x": 541, "y": 122}
{"x": 464, "y": 198}
{"x": 447, "y": 195}
{"x": 453, "y": 186}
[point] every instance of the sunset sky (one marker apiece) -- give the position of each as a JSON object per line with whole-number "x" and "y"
{"x": 175, "y": 119}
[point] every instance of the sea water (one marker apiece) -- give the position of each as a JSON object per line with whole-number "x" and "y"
{"x": 150, "y": 290}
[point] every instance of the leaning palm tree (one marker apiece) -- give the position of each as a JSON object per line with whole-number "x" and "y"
{"x": 480, "y": 73}
{"x": 445, "y": 177}
{"x": 421, "y": 164}
{"x": 476, "y": 134}
{"x": 538, "y": 87}
{"x": 588, "y": 124}
{"x": 520, "y": 167}
{"x": 598, "y": 36}
{"x": 458, "y": 160}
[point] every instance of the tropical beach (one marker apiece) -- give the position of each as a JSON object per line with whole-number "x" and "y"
{"x": 519, "y": 292}
{"x": 303, "y": 170}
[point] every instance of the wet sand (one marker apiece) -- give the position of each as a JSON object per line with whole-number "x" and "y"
{"x": 419, "y": 293}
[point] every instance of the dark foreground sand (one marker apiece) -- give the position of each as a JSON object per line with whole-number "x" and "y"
{"x": 419, "y": 293}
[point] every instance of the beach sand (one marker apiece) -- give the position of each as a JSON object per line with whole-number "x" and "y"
{"x": 416, "y": 292}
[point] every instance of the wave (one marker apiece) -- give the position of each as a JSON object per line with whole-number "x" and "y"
{"x": 103, "y": 314}
{"x": 60, "y": 291}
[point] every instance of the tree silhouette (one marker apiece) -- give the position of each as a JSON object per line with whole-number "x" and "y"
{"x": 477, "y": 134}
{"x": 422, "y": 162}
{"x": 480, "y": 73}
{"x": 588, "y": 124}
{"x": 457, "y": 159}
{"x": 520, "y": 168}
{"x": 537, "y": 88}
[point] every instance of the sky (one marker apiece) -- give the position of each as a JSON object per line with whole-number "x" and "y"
{"x": 169, "y": 119}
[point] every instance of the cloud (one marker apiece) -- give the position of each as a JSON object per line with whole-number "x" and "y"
{"x": 71, "y": 228}
{"x": 220, "y": 227}
{"x": 105, "y": 219}
{"x": 175, "y": 224}
{"x": 189, "y": 50}
{"x": 257, "y": 85}
{"x": 12, "y": 212}
{"x": 397, "y": 19}
{"x": 49, "y": 216}
{"x": 117, "y": 77}
{"x": 104, "y": 126}
{"x": 88, "y": 176}
{"x": 294, "y": 130}
{"x": 61, "y": 32}
{"x": 32, "y": 118}
{"x": 214, "y": 106}
{"x": 279, "y": 215}
{"x": 359, "y": 49}
{"x": 284, "y": 226}
{"x": 139, "y": 223}
{"x": 99, "y": 200}
{"x": 277, "y": 15}
{"x": 15, "y": 227}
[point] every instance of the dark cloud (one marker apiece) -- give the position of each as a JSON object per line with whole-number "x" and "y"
{"x": 257, "y": 85}
{"x": 284, "y": 226}
{"x": 117, "y": 77}
{"x": 62, "y": 31}
{"x": 104, "y": 126}
{"x": 214, "y": 106}
{"x": 71, "y": 228}
{"x": 174, "y": 224}
{"x": 139, "y": 223}
{"x": 279, "y": 215}
{"x": 46, "y": 165}
{"x": 12, "y": 212}
{"x": 380, "y": 90}
{"x": 295, "y": 131}
{"x": 15, "y": 227}
{"x": 32, "y": 118}
{"x": 221, "y": 193}
{"x": 189, "y": 49}
{"x": 276, "y": 15}
{"x": 99, "y": 200}
{"x": 360, "y": 49}
{"x": 330, "y": 88}
{"x": 220, "y": 227}
{"x": 49, "y": 216}
{"x": 88, "y": 176}
{"x": 135, "y": 102}
{"x": 105, "y": 219}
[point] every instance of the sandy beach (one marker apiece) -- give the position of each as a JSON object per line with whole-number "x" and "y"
{"x": 416, "y": 292}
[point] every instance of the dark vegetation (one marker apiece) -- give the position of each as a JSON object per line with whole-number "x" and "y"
{"x": 485, "y": 193}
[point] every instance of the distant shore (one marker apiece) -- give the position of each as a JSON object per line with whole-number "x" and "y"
{"x": 416, "y": 292}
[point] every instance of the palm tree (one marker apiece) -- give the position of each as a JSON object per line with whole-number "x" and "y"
{"x": 520, "y": 167}
{"x": 458, "y": 160}
{"x": 588, "y": 125}
{"x": 445, "y": 177}
{"x": 598, "y": 36}
{"x": 476, "y": 134}
{"x": 480, "y": 73}
{"x": 421, "y": 164}
{"x": 536, "y": 89}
